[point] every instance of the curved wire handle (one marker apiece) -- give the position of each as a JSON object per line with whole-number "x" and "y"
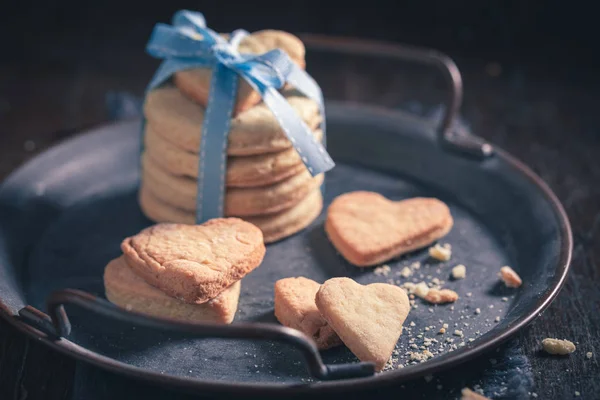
{"x": 458, "y": 141}
{"x": 57, "y": 324}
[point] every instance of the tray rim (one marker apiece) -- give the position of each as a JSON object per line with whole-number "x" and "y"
{"x": 69, "y": 348}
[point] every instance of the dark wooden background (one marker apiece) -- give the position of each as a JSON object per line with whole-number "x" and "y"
{"x": 531, "y": 87}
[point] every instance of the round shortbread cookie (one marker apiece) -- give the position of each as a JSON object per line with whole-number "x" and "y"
{"x": 195, "y": 83}
{"x": 274, "y": 227}
{"x": 131, "y": 292}
{"x": 255, "y": 131}
{"x": 181, "y": 191}
{"x": 247, "y": 171}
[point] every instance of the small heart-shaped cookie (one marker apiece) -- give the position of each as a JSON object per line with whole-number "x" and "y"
{"x": 295, "y": 307}
{"x": 194, "y": 263}
{"x": 195, "y": 83}
{"x": 368, "y": 319}
{"x": 368, "y": 229}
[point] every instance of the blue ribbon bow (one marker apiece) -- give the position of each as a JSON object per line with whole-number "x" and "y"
{"x": 187, "y": 44}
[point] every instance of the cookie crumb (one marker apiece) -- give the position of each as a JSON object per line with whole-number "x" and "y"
{"x": 510, "y": 278}
{"x": 441, "y": 253}
{"x": 497, "y": 319}
{"x": 459, "y": 272}
{"x": 442, "y": 330}
{"x": 478, "y": 311}
{"x": 409, "y": 286}
{"x": 589, "y": 355}
{"x": 406, "y": 272}
{"x": 442, "y": 296}
{"x": 557, "y": 346}
{"x": 577, "y": 394}
{"x": 383, "y": 270}
{"x": 534, "y": 395}
{"x": 421, "y": 289}
{"x": 468, "y": 394}
{"x": 458, "y": 332}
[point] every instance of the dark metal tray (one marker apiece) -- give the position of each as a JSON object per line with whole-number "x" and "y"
{"x": 63, "y": 215}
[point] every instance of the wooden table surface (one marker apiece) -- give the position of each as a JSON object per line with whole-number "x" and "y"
{"x": 546, "y": 115}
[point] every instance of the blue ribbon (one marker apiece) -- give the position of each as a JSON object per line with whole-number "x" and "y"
{"x": 188, "y": 43}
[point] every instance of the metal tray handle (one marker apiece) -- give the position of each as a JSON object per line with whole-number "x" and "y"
{"x": 57, "y": 325}
{"x": 448, "y": 137}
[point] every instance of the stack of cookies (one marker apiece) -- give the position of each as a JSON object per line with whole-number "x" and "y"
{"x": 185, "y": 272}
{"x": 267, "y": 183}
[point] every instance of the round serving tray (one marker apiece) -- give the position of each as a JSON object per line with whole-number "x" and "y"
{"x": 64, "y": 214}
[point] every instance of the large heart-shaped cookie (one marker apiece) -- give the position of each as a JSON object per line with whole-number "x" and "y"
{"x": 194, "y": 263}
{"x": 195, "y": 83}
{"x": 368, "y": 319}
{"x": 367, "y": 229}
{"x": 295, "y": 307}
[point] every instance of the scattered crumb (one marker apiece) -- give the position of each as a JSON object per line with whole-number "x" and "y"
{"x": 497, "y": 319}
{"x": 477, "y": 311}
{"x": 469, "y": 294}
{"x": 458, "y": 332}
{"x": 589, "y": 355}
{"x": 442, "y": 296}
{"x": 557, "y": 346}
{"x": 406, "y": 272}
{"x": 504, "y": 299}
{"x": 416, "y": 356}
{"x": 383, "y": 270}
{"x": 412, "y": 323}
{"x": 468, "y": 394}
{"x": 534, "y": 395}
{"x": 441, "y": 253}
{"x": 510, "y": 278}
{"x": 409, "y": 286}
{"x": 421, "y": 289}
{"x": 459, "y": 272}
{"x": 577, "y": 394}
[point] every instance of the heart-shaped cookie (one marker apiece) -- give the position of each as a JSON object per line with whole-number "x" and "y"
{"x": 194, "y": 263}
{"x": 368, "y": 229}
{"x": 195, "y": 83}
{"x": 248, "y": 171}
{"x": 125, "y": 289}
{"x": 255, "y": 131}
{"x": 368, "y": 318}
{"x": 273, "y": 226}
{"x": 181, "y": 191}
{"x": 295, "y": 307}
